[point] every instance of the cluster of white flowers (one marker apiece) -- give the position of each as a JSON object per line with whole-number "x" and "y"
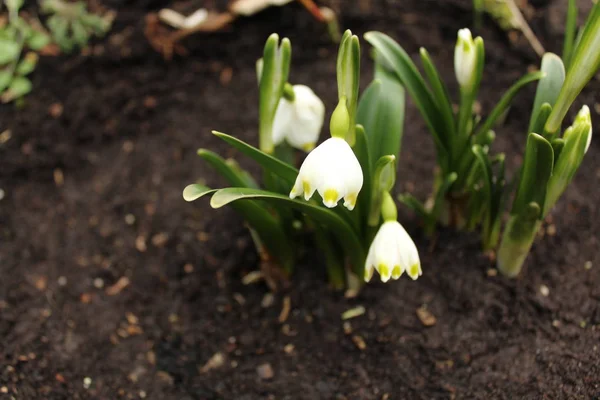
{"x": 333, "y": 171}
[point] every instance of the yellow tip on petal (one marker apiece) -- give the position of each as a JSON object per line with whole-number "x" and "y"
{"x": 308, "y": 147}
{"x": 384, "y": 272}
{"x": 413, "y": 271}
{"x": 350, "y": 201}
{"x": 330, "y": 197}
{"x": 306, "y": 188}
{"x": 396, "y": 272}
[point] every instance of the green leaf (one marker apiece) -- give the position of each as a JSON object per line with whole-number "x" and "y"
{"x": 571, "y": 154}
{"x": 343, "y": 231}
{"x": 542, "y": 116}
{"x": 439, "y": 89}
{"x": 80, "y": 34}
{"x": 537, "y": 170}
{"x": 570, "y": 31}
{"x": 418, "y": 208}
{"x": 361, "y": 150}
{"x": 38, "y": 40}
{"x": 348, "y": 77}
{"x": 384, "y": 177}
{"x": 518, "y": 236}
{"x": 506, "y": 100}
{"x": 409, "y": 76}
{"x": 439, "y": 202}
{"x": 27, "y": 64}
{"x": 585, "y": 62}
{"x": 268, "y": 162}
{"x": 9, "y": 51}
{"x": 381, "y": 113}
{"x": 275, "y": 71}
{"x": 5, "y": 78}
{"x": 19, "y": 87}
{"x": 266, "y": 226}
{"x": 548, "y": 87}
{"x": 219, "y": 164}
{"x": 195, "y": 191}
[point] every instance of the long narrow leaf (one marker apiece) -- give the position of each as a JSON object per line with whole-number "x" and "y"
{"x": 506, "y": 100}
{"x": 334, "y": 222}
{"x": 548, "y": 87}
{"x": 409, "y": 76}
{"x": 439, "y": 89}
{"x": 267, "y": 161}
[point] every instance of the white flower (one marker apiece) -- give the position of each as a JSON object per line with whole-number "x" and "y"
{"x": 299, "y": 122}
{"x": 179, "y": 21}
{"x": 584, "y": 117}
{"x": 333, "y": 170}
{"x": 465, "y": 58}
{"x": 391, "y": 253}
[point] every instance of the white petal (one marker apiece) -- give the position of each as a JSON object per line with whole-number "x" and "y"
{"x": 333, "y": 170}
{"x": 307, "y": 121}
{"x": 464, "y": 58}
{"x": 393, "y": 252}
{"x": 196, "y": 18}
{"x": 284, "y": 119}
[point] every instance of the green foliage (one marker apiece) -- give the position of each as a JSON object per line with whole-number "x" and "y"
{"x": 71, "y": 25}
{"x": 341, "y": 235}
{"x": 18, "y": 41}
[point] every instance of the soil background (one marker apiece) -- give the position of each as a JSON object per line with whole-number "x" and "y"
{"x": 112, "y": 287}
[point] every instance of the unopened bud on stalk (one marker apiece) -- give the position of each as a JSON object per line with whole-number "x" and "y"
{"x": 465, "y": 59}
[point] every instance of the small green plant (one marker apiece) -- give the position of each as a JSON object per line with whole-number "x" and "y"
{"x": 18, "y": 43}
{"x": 71, "y": 25}
{"x": 471, "y": 188}
{"x": 356, "y": 165}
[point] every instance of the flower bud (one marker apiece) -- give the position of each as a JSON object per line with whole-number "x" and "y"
{"x": 465, "y": 59}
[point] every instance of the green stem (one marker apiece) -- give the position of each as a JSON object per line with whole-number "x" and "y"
{"x": 517, "y": 240}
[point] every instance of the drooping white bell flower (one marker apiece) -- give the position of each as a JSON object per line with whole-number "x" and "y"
{"x": 465, "y": 59}
{"x": 299, "y": 122}
{"x": 391, "y": 253}
{"x": 333, "y": 170}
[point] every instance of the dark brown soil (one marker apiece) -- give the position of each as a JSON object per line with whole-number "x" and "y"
{"x": 93, "y": 202}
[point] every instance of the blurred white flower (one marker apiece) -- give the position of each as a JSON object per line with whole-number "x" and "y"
{"x": 299, "y": 122}
{"x": 333, "y": 170}
{"x": 465, "y": 58}
{"x": 391, "y": 253}
{"x": 179, "y": 21}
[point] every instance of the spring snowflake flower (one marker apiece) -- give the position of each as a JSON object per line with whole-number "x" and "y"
{"x": 465, "y": 58}
{"x": 299, "y": 122}
{"x": 391, "y": 253}
{"x": 333, "y": 170}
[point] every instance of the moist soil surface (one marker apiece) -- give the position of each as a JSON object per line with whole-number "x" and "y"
{"x": 111, "y": 286}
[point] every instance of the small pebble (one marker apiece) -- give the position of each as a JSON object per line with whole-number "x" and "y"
{"x": 216, "y": 361}
{"x": 426, "y": 317}
{"x": 3, "y": 389}
{"x": 62, "y": 281}
{"x": 551, "y": 230}
{"x": 130, "y": 219}
{"x": 289, "y": 348}
{"x": 59, "y": 177}
{"x": 347, "y": 328}
{"x": 582, "y": 324}
{"x": 2, "y": 194}
{"x": 98, "y": 283}
{"x": 359, "y": 342}
{"x": 265, "y": 371}
{"x": 587, "y": 265}
{"x": 267, "y": 300}
{"x": 492, "y": 272}
{"x": 188, "y": 268}
{"x": 87, "y": 382}
{"x": 556, "y": 323}
{"x": 544, "y": 290}
{"x": 353, "y": 312}
{"x": 143, "y": 394}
